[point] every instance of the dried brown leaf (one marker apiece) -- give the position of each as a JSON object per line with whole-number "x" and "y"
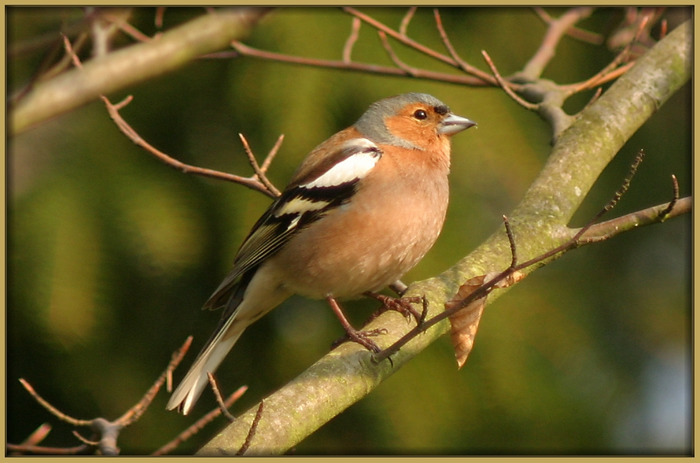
{"x": 465, "y": 321}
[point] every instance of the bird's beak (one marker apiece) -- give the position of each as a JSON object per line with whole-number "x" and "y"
{"x": 453, "y": 124}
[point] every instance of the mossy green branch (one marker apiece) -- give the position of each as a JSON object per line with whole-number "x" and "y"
{"x": 579, "y": 155}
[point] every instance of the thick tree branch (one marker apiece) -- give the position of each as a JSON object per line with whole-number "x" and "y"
{"x": 132, "y": 65}
{"x": 539, "y": 223}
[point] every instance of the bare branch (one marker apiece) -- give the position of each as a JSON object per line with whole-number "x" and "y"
{"x": 160, "y": 14}
{"x": 39, "y": 450}
{"x": 219, "y": 398}
{"x": 676, "y": 195}
{"x": 31, "y": 442}
{"x": 108, "y": 431}
{"x": 615, "y": 68}
{"x": 132, "y": 64}
{"x": 259, "y": 172}
{"x": 511, "y": 241}
{"x": 71, "y": 53}
{"x": 575, "y": 32}
{"x": 253, "y": 429}
{"x": 466, "y": 67}
{"x": 87, "y": 442}
{"x": 314, "y": 397}
{"x": 245, "y": 50}
{"x": 631, "y": 220}
{"x": 51, "y": 409}
{"x": 609, "y": 73}
{"x": 271, "y": 155}
{"x": 258, "y": 182}
{"x": 127, "y": 28}
{"x": 556, "y": 30}
{"x": 413, "y": 72}
{"x": 352, "y": 39}
{"x": 656, "y": 214}
{"x": 506, "y": 86}
{"x": 135, "y": 412}
{"x": 38, "y": 435}
{"x": 200, "y": 423}
{"x": 403, "y": 27}
{"x": 250, "y": 182}
{"x": 400, "y": 37}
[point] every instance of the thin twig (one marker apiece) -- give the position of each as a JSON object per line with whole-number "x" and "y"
{"x": 200, "y": 423}
{"x": 51, "y": 409}
{"x": 252, "y": 430}
{"x": 108, "y": 431}
{"x": 400, "y": 37}
{"x": 219, "y": 398}
{"x": 616, "y": 67}
{"x": 506, "y": 85}
{"x": 38, "y": 435}
{"x": 557, "y": 29}
{"x": 352, "y": 39}
{"x": 245, "y": 50}
{"x": 160, "y": 15}
{"x": 676, "y": 194}
{"x": 405, "y": 21}
{"x": 259, "y": 173}
{"x": 511, "y": 241}
{"x": 33, "y": 440}
{"x": 466, "y": 67}
{"x": 85, "y": 440}
{"x": 606, "y": 75}
{"x": 135, "y": 412}
{"x": 132, "y": 134}
{"x": 480, "y": 292}
{"x": 67, "y": 59}
{"x": 574, "y": 241}
{"x": 664, "y": 29}
{"x": 271, "y": 155}
{"x": 574, "y": 32}
{"x": 630, "y": 31}
{"x": 623, "y": 188}
{"x": 129, "y": 131}
{"x": 39, "y": 450}
{"x": 571, "y": 243}
{"x": 655, "y": 214}
{"x": 127, "y": 28}
{"x": 394, "y": 57}
{"x": 612, "y": 71}
{"x": 69, "y": 50}
{"x": 594, "y": 98}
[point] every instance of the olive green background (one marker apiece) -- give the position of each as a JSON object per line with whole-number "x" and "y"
{"x": 111, "y": 253}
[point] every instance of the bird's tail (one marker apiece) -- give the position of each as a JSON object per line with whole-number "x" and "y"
{"x": 194, "y": 382}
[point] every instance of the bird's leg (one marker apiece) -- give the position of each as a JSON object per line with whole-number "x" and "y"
{"x": 360, "y": 337}
{"x": 402, "y": 305}
{"x": 399, "y": 287}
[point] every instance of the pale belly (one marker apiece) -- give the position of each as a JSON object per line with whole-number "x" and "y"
{"x": 368, "y": 259}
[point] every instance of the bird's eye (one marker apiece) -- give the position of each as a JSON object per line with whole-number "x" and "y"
{"x": 420, "y": 114}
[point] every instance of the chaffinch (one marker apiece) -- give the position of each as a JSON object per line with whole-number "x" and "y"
{"x": 361, "y": 210}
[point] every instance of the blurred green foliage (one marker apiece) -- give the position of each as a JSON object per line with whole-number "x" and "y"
{"x": 111, "y": 253}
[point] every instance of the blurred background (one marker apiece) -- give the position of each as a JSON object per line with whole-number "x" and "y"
{"x": 111, "y": 254}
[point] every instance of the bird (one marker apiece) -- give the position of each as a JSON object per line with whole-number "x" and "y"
{"x": 361, "y": 210}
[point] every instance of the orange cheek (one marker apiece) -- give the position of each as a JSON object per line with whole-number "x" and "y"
{"x": 417, "y": 134}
